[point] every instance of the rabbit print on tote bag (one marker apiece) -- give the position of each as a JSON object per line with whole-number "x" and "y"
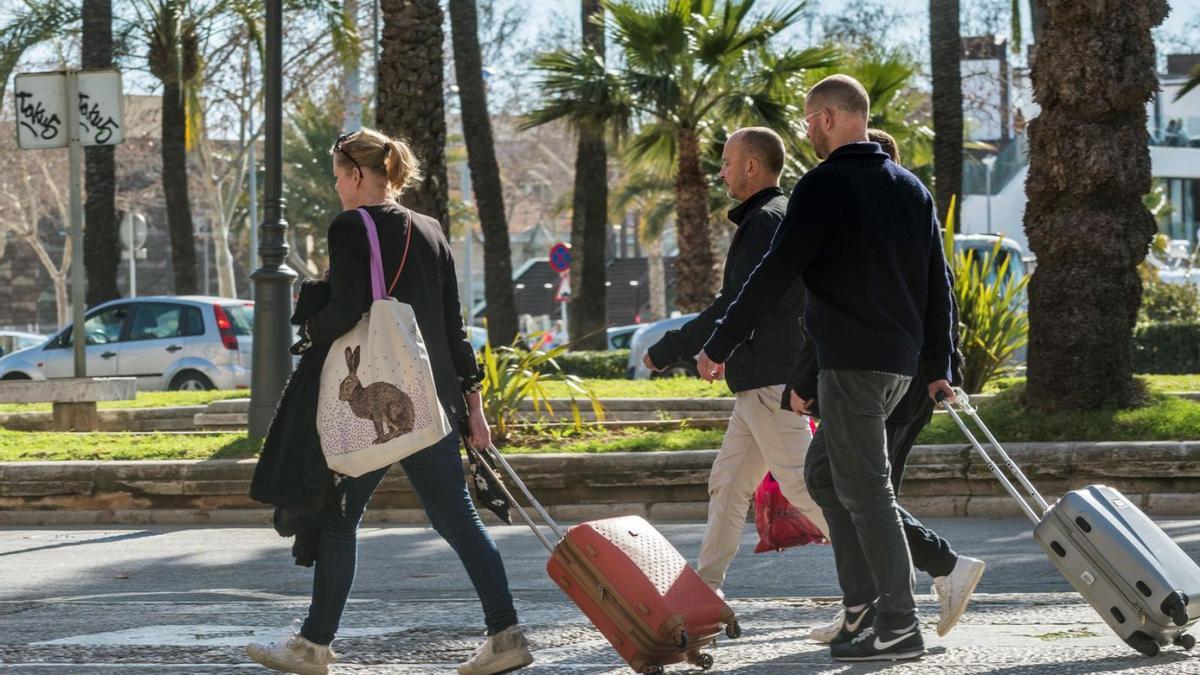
{"x": 378, "y": 402}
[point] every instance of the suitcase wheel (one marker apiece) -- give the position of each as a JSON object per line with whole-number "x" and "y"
{"x": 653, "y": 669}
{"x": 733, "y": 630}
{"x": 1143, "y": 643}
{"x": 703, "y": 661}
{"x": 681, "y": 639}
{"x": 1186, "y": 642}
{"x": 1175, "y": 606}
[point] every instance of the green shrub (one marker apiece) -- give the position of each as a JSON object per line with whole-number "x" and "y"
{"x": 1167, "y": 348}
{"x": 606, "y": 365}
{"x": 1169, "y": 303}
{"x": 993, "y": 322}
{"x": 513, "y": 374}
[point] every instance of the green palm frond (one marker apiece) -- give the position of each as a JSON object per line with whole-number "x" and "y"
{"x": 652, "y": 35}
{"x": 1193, "y": 81}
{"x": 41, "y": 20}
{"x": 579, "y": 89}
{"x": 653, "y": 146}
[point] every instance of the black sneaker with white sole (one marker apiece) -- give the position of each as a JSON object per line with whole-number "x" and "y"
{"x": 854, "y": 624}
{"x": 882, "y": 644}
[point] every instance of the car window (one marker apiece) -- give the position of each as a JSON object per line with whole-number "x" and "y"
{"x": 100, "y": 328}
{"x": 193, "y": 322}
{"x": 621, "y": 340}
{"x": 242, "y": 318}
{"x": 157, "y": 321}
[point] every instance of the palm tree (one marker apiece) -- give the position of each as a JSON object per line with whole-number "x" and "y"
{"x": 589, "y": 214}
{"x": 485, "y": 173}
{"x": 1089, "y": 168}
{"x": 174, "y": 58}
{"x": 1193, "y": 81}
{"x": 101, "y": 245}
{"x": 39, "y": 21}
{"x": 687, "y": 70}
{"x": 410, "y": 97}
{"x": 946, "y": 51}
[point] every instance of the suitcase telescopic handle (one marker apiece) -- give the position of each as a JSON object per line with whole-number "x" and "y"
{"x": 500, "y": 461}
{"x": 963, "y": 403}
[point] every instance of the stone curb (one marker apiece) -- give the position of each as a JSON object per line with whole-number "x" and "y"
{"x": 946, "y": 480}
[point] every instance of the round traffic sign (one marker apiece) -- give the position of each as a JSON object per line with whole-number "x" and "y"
{"x": 560, "y": 257}
{"x": 133, "y": 230}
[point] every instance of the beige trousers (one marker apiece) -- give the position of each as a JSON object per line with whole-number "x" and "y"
{"x": 761, "y": 437}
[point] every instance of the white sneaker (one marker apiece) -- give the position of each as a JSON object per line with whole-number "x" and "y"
{"x": 503, "y": 652}
{"x": 293, "y": 654}
{"x": 829, "y": 631}
{"x": 954, "y": 591}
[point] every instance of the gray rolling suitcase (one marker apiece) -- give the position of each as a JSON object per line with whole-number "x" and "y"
{"x": 1139, "y": 580}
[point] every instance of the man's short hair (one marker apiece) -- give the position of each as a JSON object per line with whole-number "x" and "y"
{"x": 764, "y": 145}
{"x": 842, "y": 92}
{"x": 886, "y": 142}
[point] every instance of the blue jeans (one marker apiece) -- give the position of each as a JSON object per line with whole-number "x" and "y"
{"x": 436, "y": 474}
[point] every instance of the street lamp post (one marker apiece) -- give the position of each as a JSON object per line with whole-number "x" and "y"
{"x": 273, "y": 280}
{"x": 988, "y": 163}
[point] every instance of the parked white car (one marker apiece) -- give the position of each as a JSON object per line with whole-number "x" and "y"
{"x": 14, "y": 341}
{"x": 168, "y": 342}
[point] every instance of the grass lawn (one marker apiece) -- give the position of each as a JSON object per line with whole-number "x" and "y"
{"x": 145, "y": 399}
{"x": 680, "y": 387}
{"x": 18, "y": 446}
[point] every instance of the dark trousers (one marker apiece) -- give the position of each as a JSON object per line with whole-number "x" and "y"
{"x": 930, "y": 553}
{"x": 849, "y": 476}
{"x": 436, "y": 474}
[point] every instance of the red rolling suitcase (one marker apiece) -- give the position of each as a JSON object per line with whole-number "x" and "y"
{"x": 633, "y": 585}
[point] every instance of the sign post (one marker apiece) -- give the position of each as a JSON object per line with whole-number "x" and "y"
{"x": 72, "y": 109}
{"x": 560, "y": 261}
{"x": 133, "y": 238}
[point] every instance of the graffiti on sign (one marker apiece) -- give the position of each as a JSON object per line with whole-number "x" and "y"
{"x": 32, "y": 115}
{"x": 94, "y": 122}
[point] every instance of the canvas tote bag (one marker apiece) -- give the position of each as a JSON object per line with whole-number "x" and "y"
{"x": 378, "y": 403}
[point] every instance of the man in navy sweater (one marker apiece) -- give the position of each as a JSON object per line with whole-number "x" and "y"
{"x": 862, "y": 233}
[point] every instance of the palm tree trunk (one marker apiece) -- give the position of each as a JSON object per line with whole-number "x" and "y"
{"x": 410, "y": 98}
{"x": 946, "y": 50}
{"x": 101, "y": 242}
{"x": 485, "y": 173}
{"x": 589, "y": 216}
{"x": 175, "y": 188}
{"x": 1089, "y": 167}
{"x": 694, "y": 272}
{"x": 656, "y": 279}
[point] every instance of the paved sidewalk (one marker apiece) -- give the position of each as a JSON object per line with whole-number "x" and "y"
{"x": 185, "y": 600}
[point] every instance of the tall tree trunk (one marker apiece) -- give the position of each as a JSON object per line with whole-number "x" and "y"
{"x": 101, "y": 242}
{"x": 175, "y": 189}
{"x": 656, "y": 279}
{"x": 410, "y": 97}
{"x": 485, "y": 173}
{"x": 589, "y": 215}
{"x": 1089, "y": 167}
{"x": 352, "y": 103}
{"x": 695, "y": 276}
{"x": 946, "y": 51}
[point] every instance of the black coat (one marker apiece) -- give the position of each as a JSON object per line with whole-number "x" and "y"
{"x": 291, "y": 474}
{"x": 767, "y": 357}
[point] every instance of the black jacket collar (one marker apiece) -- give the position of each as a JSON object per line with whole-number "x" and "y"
{"x": 857, "y": 150}
{"x": 756, "y": 200}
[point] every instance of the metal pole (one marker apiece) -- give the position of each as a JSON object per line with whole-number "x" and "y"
{"x": 252, "y": 206}
{"x": 206, "y": 237}
{"x": 989, "y": 197}
{"x": 75, "y": 159}
{"x": 272, "y": 362}
{"x": 464, "y": 177}
{"x": 132, "y": 251}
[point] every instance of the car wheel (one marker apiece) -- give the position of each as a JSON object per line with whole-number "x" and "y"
{"x": 191, "y": 381}
{"x": 15, "y": 376}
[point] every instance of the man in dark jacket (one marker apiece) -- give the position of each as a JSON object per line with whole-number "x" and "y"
{"x": 863, "y": 234}
{"x": 954, "y": 576}
{"x": 760, "y": 435}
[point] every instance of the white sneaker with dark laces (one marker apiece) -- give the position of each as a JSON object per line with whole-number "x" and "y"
{"x": 954, "y": 591}
{"x": 503, "y": 652}
{"x": 293, "y": 654}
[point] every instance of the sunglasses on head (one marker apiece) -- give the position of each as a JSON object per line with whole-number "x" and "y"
{"x": 337, "y": 147}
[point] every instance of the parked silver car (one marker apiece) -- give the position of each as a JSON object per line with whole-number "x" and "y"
{"x": 645, "y": 336}
{"x": 14, "y": 341}
{"x": 168, "y": 342}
